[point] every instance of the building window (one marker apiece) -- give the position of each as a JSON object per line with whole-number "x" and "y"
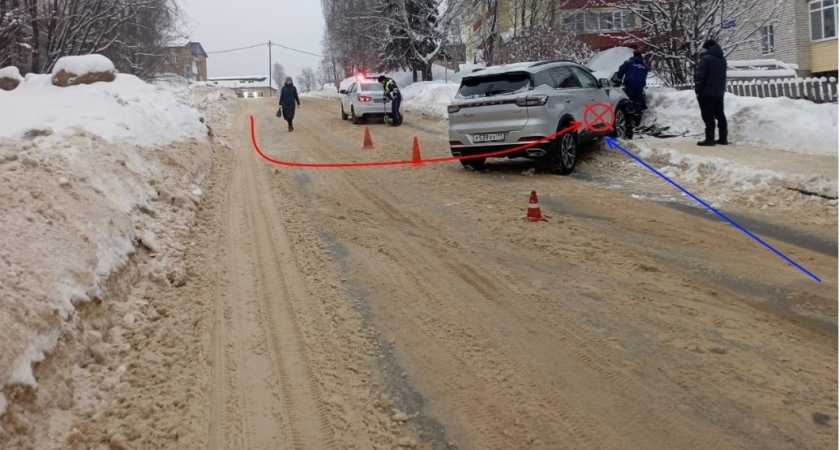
{"x": 613, "y": 20}
{"x": 589, "y": 22}
{"x": 823, "y": 19}
{"x": 768, "y": 44}
{"x": 260, "y": 94}
{"x": 574, "y": 22}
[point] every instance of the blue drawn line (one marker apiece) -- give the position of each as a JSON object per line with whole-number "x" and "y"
{"x": 614, "y": 144}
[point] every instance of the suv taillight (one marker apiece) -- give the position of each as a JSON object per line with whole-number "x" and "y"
{"x": 453, "y": 109}
{"x": 364, "y": 98}
{"x": 536, "y": 100}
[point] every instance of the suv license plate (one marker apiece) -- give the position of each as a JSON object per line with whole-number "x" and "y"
{"x": 379, "y": 100}
{"x": 491, "y": 137}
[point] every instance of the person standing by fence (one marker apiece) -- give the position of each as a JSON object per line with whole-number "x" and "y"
{"x": 710, "y": 87}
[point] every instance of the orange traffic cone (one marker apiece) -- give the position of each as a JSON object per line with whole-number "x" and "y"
{"x": 534, "y": 213}
{"x": 368, "y": 144}
{"x": 415, "y": 154}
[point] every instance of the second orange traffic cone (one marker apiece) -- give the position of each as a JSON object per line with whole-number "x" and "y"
{"x": 534, "y": 213}
{"x": 368, "y": 144}
{"x": 415, "y": 154}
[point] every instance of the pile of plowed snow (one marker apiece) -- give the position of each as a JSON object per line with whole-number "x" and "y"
{"x": 90, "y": 175}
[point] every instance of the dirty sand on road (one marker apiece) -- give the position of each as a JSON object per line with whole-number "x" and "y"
{"x": 404, "y": 307}
{"x": 618, "y": 324}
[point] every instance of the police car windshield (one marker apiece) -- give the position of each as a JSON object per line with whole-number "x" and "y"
{"x": 371, "y": 87}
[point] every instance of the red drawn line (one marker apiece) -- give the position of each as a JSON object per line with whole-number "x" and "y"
{"x": 402, "y": 162}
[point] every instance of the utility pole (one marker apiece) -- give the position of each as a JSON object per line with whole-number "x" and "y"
{"x": 269, "y": 68}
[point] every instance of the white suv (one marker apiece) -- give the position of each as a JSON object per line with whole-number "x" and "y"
{"x": 504, "y": 107}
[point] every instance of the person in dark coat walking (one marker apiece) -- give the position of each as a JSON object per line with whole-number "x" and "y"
{"x": 288, "y": 100}
{"x": 633, "y": 74}
{"x": 710, "y": 87}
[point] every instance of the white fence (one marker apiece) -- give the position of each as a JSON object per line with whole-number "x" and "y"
{"x": 817, "y": 90}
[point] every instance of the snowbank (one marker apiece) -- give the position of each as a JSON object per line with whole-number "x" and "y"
{"x": 83, "y": 64}
{"x": 86, "y": 69}
{"x": 111, "y": 170}
{"x": 749, "y": 174}
{"x": 9, "y": 78}
{"x": 780, "y": 123}
{"x": 126, "y": 109}
{"x": 430, "y": 97}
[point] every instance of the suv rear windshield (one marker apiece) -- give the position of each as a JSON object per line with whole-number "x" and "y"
{"x": 497, "y": 84}
{"x": 371, "y": 87}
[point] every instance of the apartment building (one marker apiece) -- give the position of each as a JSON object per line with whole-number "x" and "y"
{"x": 603, "y": 26}
{"x": 189, "y": 61}
{"x": 802, "y": 32}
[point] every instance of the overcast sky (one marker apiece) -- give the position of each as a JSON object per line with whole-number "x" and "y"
{"x": 226, "y": 24}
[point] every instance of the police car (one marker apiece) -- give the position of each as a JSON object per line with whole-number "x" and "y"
{"x": 365, "y": 99}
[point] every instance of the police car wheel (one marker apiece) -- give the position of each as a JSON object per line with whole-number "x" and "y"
{"x": 344, "y": 115}
{"x": 356, "y": 119}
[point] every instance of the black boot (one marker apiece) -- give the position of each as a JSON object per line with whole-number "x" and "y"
{"x": 723, "y": 138}
{"x": 710, "y": 139}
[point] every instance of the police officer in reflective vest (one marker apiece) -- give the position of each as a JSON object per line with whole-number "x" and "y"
{"x": 392, "y": 93}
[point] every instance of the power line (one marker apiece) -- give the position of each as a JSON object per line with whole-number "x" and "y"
{"x": 260, "y": 45}
{"x": 296, "y": 50}
{"x": 236, "y": 49}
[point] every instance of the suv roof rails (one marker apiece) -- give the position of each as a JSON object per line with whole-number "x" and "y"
{"x": 542, "y": 63}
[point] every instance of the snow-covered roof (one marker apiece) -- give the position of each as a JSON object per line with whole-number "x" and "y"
{"x": 239, "y": 82}
{"x": 761, "y": 68}
{"x": 769, "y": 63}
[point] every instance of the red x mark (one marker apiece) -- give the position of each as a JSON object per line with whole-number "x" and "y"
{"x": 598, "y": 120}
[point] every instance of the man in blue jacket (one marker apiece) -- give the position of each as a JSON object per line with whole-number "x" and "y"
{"x": 633, "y": 74}
{"x": 710, "y": 87}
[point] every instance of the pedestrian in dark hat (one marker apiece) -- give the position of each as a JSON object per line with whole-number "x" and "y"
{"x": 288, "y": 100}
{"x": 710, "y": 87}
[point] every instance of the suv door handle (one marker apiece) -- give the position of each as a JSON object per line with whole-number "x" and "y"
{"x": 568, "y": 100}
{"x": 592, "y": 99}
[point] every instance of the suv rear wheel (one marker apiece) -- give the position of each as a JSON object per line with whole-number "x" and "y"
{"x": 563, "y": 155}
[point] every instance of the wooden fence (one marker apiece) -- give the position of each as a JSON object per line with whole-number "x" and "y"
{"x": 817, "y": 90}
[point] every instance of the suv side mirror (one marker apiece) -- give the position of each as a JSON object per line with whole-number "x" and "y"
{"x": 343, "y": 91}
{"x": 604, "y": 82}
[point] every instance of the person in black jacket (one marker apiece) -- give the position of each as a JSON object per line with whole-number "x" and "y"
{"x": 288, "y": 99}
{"x": 710, "y": 87}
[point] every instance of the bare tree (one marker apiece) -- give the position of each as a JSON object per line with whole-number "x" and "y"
{"x": 307, "y": 79}
{"x": 351, "y": 39}
{"x": 417, "y": 32}
{"x": 278, "y": 74}
{"x": 673, "y": 31}
{"x": 135, "y": 34}
{"x": 541, "y": 42}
